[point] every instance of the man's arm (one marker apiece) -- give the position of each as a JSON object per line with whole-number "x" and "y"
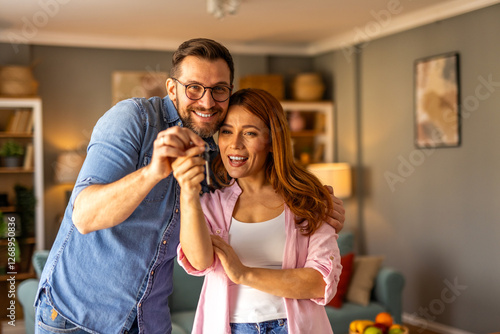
{"x": 107, "y": 205}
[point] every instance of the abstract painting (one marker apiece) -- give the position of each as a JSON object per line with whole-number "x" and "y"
{"x": 437, "y": 96}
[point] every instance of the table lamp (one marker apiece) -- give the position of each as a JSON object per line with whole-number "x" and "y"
{"x": 67, "y": 167}
{"x": 337, "y": 175}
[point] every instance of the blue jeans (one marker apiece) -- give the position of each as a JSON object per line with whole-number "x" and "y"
{"x": 278, "y": 326}
{"x": 48, "y": 321}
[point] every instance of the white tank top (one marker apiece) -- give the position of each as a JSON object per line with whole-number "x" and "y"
{"x": 257, "y": 245}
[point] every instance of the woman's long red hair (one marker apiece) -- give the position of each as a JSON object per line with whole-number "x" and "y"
{"x": 302, "y": 192}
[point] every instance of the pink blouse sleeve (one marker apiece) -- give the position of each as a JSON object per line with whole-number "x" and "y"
{"x": 324, "y": 256}
{"x": 184, "y": 263}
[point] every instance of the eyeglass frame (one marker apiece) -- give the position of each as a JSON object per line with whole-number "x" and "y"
{"x": 205, "y": 90}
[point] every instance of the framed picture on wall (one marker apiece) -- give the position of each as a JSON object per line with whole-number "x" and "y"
{"x": 437, "y": 96}
{"x": 127, "y": 84}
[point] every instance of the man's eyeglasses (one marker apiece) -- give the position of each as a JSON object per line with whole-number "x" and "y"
{"x": 194, "y": 91}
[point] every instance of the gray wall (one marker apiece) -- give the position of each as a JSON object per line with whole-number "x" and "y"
{"x": 440, "y": 225}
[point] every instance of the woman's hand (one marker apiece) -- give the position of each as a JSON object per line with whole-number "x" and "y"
{"x": 299, "y": 283}
{"x": 189, "y": 170}
{"x": 233, "y": 267}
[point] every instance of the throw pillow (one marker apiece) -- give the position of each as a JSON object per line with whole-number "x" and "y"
{"x": 345, "y": 277}
{"x": 363, "y": 277}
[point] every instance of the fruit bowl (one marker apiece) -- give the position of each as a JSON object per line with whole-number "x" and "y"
{"x": 405, "y": 330}
{"x": 383, "y": 324}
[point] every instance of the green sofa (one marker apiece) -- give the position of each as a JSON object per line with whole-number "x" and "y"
{"x": 386, "y": 296}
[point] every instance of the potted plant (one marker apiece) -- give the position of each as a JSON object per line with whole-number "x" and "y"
{"x": 11, "y": 153}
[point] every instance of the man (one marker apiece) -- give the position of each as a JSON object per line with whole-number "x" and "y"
{"x": 110, "y": 268}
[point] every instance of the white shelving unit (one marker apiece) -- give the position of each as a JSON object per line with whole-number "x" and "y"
{"x": 35, "y": 105}
{"x": 314, "y": 143}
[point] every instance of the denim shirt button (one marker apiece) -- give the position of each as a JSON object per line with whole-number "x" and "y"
{"x": 152, "y": 272}
{"x": 176, "y": 210}
{"x": 164, "y": 242}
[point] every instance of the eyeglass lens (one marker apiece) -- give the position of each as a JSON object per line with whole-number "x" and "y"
{"x": 196, "y": 92}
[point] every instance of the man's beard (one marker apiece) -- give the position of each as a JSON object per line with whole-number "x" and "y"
{"x": 206, "y": 131}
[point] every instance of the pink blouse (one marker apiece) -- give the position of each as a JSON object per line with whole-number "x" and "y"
{"x": 318, "y": 251}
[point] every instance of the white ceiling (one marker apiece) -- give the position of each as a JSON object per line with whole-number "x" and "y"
{"x": 299, "y": 27}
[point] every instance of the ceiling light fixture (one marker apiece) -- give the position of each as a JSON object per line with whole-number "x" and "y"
{"x": 220, "y": 8}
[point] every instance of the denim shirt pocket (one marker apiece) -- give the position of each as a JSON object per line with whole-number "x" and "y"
{"x": 159, "y": 191}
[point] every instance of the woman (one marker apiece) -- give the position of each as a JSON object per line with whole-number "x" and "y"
{"x": 270, "y": 261}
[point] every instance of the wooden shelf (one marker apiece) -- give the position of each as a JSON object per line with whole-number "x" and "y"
{"x": 8, "y": 208}
{"x": 27, "y": 112}
{"x": 21, "y": 240}
{"x": 4, "y": 134}
{"x": 316, "y": 139}
{"x": 16, "y": 170}
{"x": 18, "y": 276}
{"x": 307, "y": 133}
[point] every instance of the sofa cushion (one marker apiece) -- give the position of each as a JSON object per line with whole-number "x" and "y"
{"x": 183, "y": 321}
{"x": 340, "y": 318}
{"x": 187, "y": 289}
{"x": 363, "y": 278}
{"x": 39, "y": 259}
{"x": 347, "y": 262}
{"x": 346, "y": 242}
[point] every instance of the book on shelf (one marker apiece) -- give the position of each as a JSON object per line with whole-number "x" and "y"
{"x": 20, "y": 122}
{"x": 28, "y": 156}
{"x": 30, "y": 123}
{"x": 13, "y": 121}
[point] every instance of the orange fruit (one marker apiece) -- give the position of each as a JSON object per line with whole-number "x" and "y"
{"x": 384, "y": 318}
{"x": 396, "y": 326}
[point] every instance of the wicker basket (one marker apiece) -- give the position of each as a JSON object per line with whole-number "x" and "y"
{"x": 272, "y": 83}
{"x": 17, "y": 81}
{"x": 308, "y": 87}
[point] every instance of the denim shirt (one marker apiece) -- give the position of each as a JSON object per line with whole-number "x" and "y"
{"x": 103, "y": 280}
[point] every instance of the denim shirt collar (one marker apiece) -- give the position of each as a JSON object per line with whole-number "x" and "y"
{"x": 170, "y": 113}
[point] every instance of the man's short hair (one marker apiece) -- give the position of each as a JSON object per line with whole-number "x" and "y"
{"x": 203, "y": 48}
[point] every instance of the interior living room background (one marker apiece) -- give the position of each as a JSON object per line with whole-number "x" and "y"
{"x": 438, "y": 223}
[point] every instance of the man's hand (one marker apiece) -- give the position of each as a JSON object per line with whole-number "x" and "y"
{"x": 169, "y": 145}
{"x": 337, "y": 217}
{"x": 101, "y": 206}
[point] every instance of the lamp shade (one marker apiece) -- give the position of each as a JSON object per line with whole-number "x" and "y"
{"x": 68, "y": 166}
{"x": 337, "y": 175}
